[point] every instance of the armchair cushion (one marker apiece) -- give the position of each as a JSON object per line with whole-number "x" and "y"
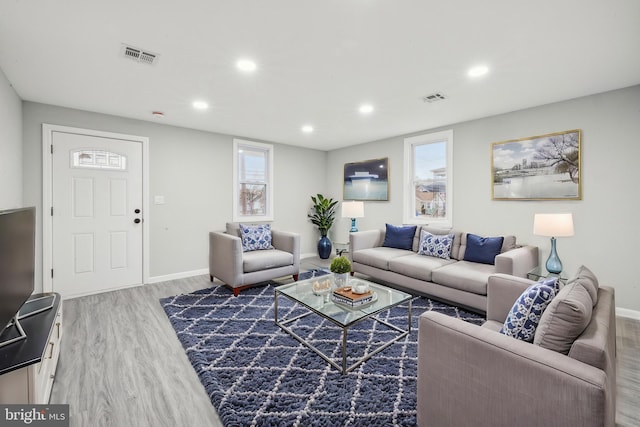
{"x": 564, "y": 319}
{"x": 524, "y": 317}
{"x": 255, "y": 237}
{"x": 266, "y": 259}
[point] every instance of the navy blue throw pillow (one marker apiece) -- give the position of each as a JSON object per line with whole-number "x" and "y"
{"x": 482, "y": 249}
{"x": 400, "y": 237}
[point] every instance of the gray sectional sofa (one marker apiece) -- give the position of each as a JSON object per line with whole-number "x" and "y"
{"x": 454, "y": 280}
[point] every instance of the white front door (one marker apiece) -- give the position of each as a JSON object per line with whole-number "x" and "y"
{"x": 97, "y": 213}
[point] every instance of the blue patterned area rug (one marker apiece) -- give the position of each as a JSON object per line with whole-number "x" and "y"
{"x": 257, "y": 375}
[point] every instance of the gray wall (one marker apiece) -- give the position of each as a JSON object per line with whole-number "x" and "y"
{"x": 192, "y": 170}
{"x": 10, "y": 146}
{"x": 606, "y": 225}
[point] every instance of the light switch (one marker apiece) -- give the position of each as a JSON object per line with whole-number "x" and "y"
{"x": 158, "y": 200}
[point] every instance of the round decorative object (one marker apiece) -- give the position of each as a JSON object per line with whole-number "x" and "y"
{"x": 324, "y": 247}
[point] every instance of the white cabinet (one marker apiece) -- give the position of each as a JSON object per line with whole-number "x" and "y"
{"x": 32, "y": 383}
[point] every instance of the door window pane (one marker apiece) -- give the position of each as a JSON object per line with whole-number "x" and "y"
{"x": 98, "y": 159}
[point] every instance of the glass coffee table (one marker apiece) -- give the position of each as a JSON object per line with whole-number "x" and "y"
{"x": 344, "y": 317}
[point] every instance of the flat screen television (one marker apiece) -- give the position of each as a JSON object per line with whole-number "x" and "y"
{"x": 17, "y": 262}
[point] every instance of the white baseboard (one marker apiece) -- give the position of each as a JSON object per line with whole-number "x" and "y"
{"x": 84, "y": 294}
{"x": 177, "y": 276}
{"x": 625, "y": 312}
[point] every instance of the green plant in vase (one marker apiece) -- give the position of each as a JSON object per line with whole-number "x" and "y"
{"x": 340, "y": 267}
{"x": 323, "y": 216}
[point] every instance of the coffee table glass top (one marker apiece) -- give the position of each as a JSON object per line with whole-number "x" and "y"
{"x": 302, "y": 292}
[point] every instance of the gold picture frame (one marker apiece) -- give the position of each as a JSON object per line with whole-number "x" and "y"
{"x": 543, "y": 167}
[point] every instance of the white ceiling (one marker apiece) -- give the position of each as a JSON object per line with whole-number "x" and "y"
{"x": 317, "y": 60}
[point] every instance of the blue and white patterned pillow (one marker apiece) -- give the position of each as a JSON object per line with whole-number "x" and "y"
{"x": 435, "y": 244}
{"x": 523, "y": 319}
{"x": 255, "y": 237}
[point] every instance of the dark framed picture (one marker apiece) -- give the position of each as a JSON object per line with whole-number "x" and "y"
{"x": 367, "y": 180}
{"x": 544, "y": 167}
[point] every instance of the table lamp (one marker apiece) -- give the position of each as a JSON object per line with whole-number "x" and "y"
{"x": 553, "y": 225}
{"x": 353, "y": 210}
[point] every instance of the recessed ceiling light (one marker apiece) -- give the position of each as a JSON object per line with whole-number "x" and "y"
{"x": 246, "y": 65}
{"x": 366, "y": 108}
{"x": 200, "y": 105}
{"x": 478, "y": 71}
{"x": 307, "y": 129}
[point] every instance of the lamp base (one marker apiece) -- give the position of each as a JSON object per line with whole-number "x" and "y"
{"x": 353, "y": 226}
{"x": 554, "y": 265}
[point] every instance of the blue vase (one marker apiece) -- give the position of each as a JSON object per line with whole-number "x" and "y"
{"x": 553, "y": 263}
{"x": 324, "y": 247}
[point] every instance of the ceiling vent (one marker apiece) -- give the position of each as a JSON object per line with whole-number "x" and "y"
{"x": 139, "y": 55}
{"x": 434, "y": 97}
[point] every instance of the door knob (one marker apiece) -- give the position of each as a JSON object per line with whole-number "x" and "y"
{"x": 137, "y": 211}
{"x": 137, "y": 220}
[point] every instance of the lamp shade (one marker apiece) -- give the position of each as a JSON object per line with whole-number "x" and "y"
{"x": 352, "y": 209}
{"x": 553, "y": 225}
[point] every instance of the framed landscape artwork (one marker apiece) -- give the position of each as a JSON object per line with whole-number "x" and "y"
{"x": 545, "y": 167}
{"x": 367, "y": 180}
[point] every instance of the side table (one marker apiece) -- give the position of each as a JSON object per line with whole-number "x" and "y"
{"x": 341, "y": 248}
{"x": 541, "y": 273}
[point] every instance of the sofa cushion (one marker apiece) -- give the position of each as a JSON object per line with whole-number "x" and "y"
{"x": 435, "y": 245}
{"x": 417, "y": 266}
{"x": 564, "y": 319}
{"x": 455, "y": 246}
{"x": 586, "y": 278}
{"x": 255, "y": 237}
{"x": 464, "y": 275}
{"x": 508, "y": 244}
{"x": 233, "y": 228}
{"x": 482, "y": 249}
{"x": 262, "y": 260}
{"x": 595, "y": 346}
{"x": 379, "y": 257}
{"x": 436, "y": 231}
{"x": 399, "y": 236}
{"x": 524, "y": 316}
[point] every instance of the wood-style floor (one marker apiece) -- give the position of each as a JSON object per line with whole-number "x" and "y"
{"x": 122, "y": 365}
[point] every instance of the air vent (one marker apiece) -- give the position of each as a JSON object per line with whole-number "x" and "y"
{"x": 434, "y": 97}
{"x": 139, "y": 55}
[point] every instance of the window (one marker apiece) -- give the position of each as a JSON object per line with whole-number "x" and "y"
{"x": 98, "y": 159}
{"x": 428, "y": 190}
{"x": 252, "y": 181}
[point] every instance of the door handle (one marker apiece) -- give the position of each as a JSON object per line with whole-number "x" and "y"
{"x": 137, "y": 211}
{"x": 137, "y": 220}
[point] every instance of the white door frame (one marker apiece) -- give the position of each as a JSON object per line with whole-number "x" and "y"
{"x": 47, "y": 196}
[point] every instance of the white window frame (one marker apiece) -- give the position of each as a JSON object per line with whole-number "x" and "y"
{"x": 268, "y": 148}
{"x": 409, "y": 209}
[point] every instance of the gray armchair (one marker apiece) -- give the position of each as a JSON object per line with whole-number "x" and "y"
{"x": 474, "y": 376}
{"x": 241, "y": 270}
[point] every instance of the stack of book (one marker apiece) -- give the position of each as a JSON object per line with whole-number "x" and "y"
{"x": 347, "y": 297}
